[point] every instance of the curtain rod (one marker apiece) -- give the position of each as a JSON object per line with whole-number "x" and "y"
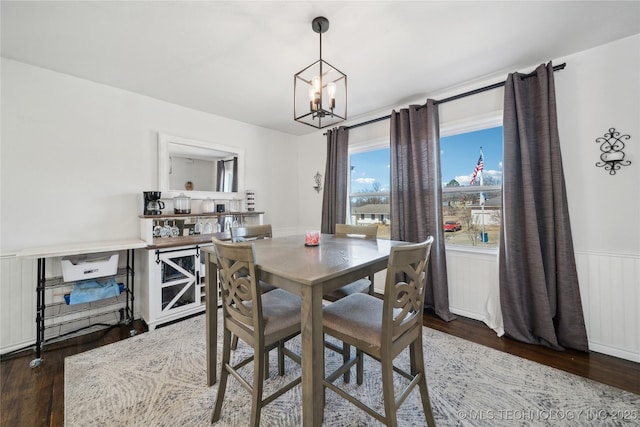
{"x": 454, "y": 97}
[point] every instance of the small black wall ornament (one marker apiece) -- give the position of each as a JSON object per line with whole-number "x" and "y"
{"x": 612, "y": 146}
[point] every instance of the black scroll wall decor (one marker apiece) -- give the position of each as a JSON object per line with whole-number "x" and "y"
{"x": 612, "y": 147}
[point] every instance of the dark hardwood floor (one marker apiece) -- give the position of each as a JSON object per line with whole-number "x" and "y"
{"x": 609, "y": 370}
{"x": 35, "y": 397}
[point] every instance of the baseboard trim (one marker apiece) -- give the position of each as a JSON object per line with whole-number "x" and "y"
{"x": 614, "y": 352}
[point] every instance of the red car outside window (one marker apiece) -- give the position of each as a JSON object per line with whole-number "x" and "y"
{"x": 452, "y": 226}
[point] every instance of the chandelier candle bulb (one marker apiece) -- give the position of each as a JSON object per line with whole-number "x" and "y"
{"x": 331, "y": 90}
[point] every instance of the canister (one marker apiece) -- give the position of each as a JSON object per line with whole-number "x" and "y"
{"x": 208, "y": 206}
{"x": 182, "y": 204}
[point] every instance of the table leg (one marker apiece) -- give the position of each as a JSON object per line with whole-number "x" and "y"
{"x": 211, "y": 308}
{"x": 312, "y": 356}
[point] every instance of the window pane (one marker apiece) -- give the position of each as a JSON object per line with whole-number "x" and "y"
{"x": 472, "y": 217}
{"x": 370, "y": 171}
{"x": 369, "y": 190}
{"x": 459, "y": 155}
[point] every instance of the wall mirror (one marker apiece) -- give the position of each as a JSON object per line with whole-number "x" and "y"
{"x": 199, "y": 169}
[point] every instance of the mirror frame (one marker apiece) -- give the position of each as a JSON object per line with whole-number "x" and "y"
{"x": 164, "y": 145}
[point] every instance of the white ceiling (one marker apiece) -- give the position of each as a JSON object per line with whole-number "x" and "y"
{"x": 237, "y": 58}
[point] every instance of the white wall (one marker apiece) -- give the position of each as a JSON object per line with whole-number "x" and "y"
{"x": 77, "y": 155}
{"x": 598, "y": 89}
{"x": 75, "y": 158}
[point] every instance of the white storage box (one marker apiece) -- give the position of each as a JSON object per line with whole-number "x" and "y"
{"x": 86, "y": 267}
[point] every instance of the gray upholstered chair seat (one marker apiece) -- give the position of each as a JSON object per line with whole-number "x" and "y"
{"x": 265, "y": 287}
{"x": 359, "y": 286}
{"x": 365, "y": 319}
{"x": 280, "y": 311}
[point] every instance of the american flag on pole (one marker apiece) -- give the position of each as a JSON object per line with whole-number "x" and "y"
{"x": 479, "y": 167}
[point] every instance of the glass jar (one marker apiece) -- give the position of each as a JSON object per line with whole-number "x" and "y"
{"x": 182, "y": 204}
{"x": 208, "y": 206}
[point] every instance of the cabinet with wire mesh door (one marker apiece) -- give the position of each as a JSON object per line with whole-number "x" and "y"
{"x": 174, "y": 284}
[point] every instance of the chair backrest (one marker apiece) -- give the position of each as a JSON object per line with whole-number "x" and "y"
{"x": 404, "y": 290}
{"x": 252, "y": 232}
{"x": 368, "y": 232}
{"x": 240, "y": 294}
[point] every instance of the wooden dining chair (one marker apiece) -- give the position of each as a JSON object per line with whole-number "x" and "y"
{"x": 264, "y": 321}
{"x": 384, "y": 328}
{"x": 365, "y": 284}
{"x": 251, "y": 232}
{"x": 245, "y": 234}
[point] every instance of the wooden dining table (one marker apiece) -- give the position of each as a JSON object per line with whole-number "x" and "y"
{"x": 310, "y": 272}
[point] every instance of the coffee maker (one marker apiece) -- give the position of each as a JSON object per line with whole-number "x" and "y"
{"x": 152, "y": 203}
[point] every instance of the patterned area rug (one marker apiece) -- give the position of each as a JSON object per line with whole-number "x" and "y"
{"x": 159, "y": 379}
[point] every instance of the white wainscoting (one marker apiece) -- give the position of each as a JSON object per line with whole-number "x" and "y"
{"x": 471, "y": 274}
{"x": 17, "y": 303}
{"x": 610, "y": 291}
{"x": 609, "y": 288}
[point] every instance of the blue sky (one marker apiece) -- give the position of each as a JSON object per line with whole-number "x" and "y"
{"x": 458, "y": 156}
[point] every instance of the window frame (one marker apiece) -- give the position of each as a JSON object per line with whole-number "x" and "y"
{"x": 450, "y": 128}
{"x": 476, "y": 123}
{"x": 362, "y": 147}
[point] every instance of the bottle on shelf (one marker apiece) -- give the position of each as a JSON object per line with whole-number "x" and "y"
{"x": 166, "y": 229}
{"x": 175, "y": 230}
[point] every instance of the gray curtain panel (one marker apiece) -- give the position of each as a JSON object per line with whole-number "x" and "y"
{"x": 416, "y": 193}
{"x": 221, "y": 185}
{"x": 220, "y": 176}
{"x": 539, "y": 292}
{"x": 334, "y": 199}
{"x": 234, "y": 182}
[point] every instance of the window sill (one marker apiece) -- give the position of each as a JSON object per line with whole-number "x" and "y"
{"x": 471, "y": 249}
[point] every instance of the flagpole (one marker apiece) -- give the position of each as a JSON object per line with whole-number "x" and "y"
{"x": 482, "y": 199}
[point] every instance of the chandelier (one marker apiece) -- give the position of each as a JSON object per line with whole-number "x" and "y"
{"x": 320, "y": 90}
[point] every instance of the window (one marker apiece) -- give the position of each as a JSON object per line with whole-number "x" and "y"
{"x": 369, "y": 189}
{"x": 474, "y": 211}
{"x": 471, "y": 164}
